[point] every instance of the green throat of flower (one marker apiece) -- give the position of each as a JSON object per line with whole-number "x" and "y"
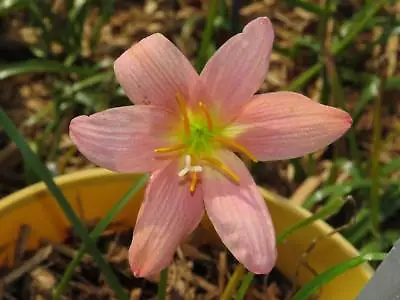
{"x": 199, "y": 139}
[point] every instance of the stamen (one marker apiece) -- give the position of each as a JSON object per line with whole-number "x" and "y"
{"x": 173, "y": 148}
{"x": 235, "y": 146}
{"x": 207, "y": 115}
{"x": 194, "y": 181}
{"x": 183, "y": 108}
{"x": 220, "y": 166}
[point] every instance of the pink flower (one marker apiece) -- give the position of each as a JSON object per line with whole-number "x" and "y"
{"x": 184, "y": 129}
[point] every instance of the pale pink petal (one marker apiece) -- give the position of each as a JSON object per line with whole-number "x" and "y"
{"x": 169, "y": 214}
{"x": 285, "y": 125}
{"x": 240, "y": 216}
{"x": 237, "y": 70}
{"x": 153, "y": 71}
{"x": 124, "y": 138}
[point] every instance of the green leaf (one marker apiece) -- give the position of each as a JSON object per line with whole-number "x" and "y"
{"x": 100, "y": 227}
{"x": 207, "y": 35}
{"x": 337, "y": 190}
{"x": 311, "y": 287}
{"x": 6, "y": 6}
{"x": 37, "y": 66}
{"x": 34, "y": 162}
{"x": 357, "y": 25}
{"x": 329, "y": 209}
{"x": 308, "y": 6}
{"x": 391, "y": 167}
{"x": 369, "y": 92}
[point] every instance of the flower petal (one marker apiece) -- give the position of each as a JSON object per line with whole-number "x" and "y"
{"x": 285, "y": 125}
{"x": 237, "y": 70}
{"x": 153, "y": 71}
{"x": 124, "y": 138}
{"x": 169, "y": 213}
{"x": 240, "y": 215}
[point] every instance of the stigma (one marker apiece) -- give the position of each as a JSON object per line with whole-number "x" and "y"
{"x": 192, "y": 171}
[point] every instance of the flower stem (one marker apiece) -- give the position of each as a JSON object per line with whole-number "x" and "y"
{"x": 115, "y": 210}
{"x": 233, "y": 282}
{"x": 248, "y": 278}
{"x": 162, "y": 285}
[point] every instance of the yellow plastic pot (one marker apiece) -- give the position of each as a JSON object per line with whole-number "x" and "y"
{"x": 93, "y": 192}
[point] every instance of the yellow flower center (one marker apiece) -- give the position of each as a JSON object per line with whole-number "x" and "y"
{"x": 199, "y": 138}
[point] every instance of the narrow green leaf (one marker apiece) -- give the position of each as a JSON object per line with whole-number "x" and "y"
{"x": 233, "y": 282}
{"x": 101, "y": 226}
{"x": 308, "y": 6}
{"x": 337, "y": 190}
{"x": 207, "y": 35}
{"x": 329, "y": 209}
{"x": 337, "y": 49}
{"x": 37, "y": 66}
{"x": 309, "y": 288}
{"x": 34, "y": 162}
{"x": 357, "y": 25}
{"x": 91, "y": 81}
{"x": 369, "y": 92}
{"x": 392, "y": 83}
{"x": 244, "y": 286}
{"x": 6, "y": 6}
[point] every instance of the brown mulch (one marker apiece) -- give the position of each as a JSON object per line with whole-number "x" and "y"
{"x": 199, "y": 271}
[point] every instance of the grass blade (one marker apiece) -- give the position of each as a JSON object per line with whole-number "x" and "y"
{"x": 337, "y": 49}
{"x": 244, "y": 286}
{"x": 329, "y": 209}
{"x": 207, "y": 35}
{"x": 36, "y": 165}
{"x": 309, "y": 288}
{"x": 37, "y": 66}
{"x": 101, "y": 226}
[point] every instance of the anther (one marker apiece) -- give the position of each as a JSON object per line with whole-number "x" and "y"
{"x": 183, "y": 109}
{"x": 220, "y": 166}
{"x": 206, "y": 114}
{"x": 170, "y": 149}
{"x": 193, "y": 183}
{"x": 235, "y": 146}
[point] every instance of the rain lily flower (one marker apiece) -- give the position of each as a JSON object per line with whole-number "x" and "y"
{"x": 186, "y": 128}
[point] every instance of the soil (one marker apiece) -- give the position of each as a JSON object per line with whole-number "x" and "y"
{"x": 199, "y": 271}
